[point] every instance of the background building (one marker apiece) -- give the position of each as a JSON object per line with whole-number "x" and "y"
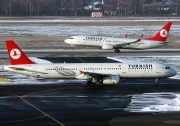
{"x": 161, "y": 8}
{"x": 85, "y": 7}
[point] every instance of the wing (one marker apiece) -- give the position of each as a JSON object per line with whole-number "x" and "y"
{"x": 164, "y": 43}
{"x": 27, "y": 70}
{"x": 129, "y": 43}
{"x": 125, "y": 60}
{"x": 92, "y": 74}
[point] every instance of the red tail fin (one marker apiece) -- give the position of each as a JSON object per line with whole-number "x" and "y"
{"x": 139, "y": 39}
{"x": 16, "y": 55}
{"x": 162, "y": 34}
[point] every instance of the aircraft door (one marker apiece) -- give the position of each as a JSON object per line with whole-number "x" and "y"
{"x": 78, "y": 40}
{"x": 123, "y": 69}
{"x": 158, "y": 68}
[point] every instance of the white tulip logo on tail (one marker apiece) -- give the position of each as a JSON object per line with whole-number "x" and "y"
{"x": 163, "y": 33}
{"x": 15, "y": 53}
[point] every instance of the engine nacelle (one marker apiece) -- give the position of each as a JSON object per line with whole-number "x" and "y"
{"x": 107, "y": 47}
{"x": 112, "y": 79}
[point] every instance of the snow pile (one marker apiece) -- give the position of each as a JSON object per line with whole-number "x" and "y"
{"x": 155, "y": 102}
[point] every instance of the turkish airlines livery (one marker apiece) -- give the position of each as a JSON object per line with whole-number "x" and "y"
{"x": 109, "y": 43}
{"x": 105, "y": 73}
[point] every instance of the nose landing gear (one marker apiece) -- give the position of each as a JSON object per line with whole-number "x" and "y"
{"x": 117, "y": 51}
{"x": 91, "y": 84}
{"x": 156, "y": 82}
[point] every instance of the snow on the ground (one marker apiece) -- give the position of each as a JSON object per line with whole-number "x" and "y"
{"x": 84, "y": 21}
{"x": 155, "y": 102}
{"x": 59, "y": 30}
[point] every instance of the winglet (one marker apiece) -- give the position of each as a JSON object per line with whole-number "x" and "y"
{"x": 81, "y": 72}
{"x": 139, "y": 39}
{"x": 126, "y": 36}
{"x": 16, "y": 55}
{"x": 162, "y": 34}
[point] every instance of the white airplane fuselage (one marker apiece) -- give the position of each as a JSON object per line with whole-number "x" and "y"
{"x": 109, "y": 43}
{"x": 73, "y": 70}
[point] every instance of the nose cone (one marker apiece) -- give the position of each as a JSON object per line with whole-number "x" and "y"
{"x": 66, "y": 41}
{"x": 173, "y": 72}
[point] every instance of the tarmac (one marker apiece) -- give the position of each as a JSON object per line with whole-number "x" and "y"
{"x": 71, "y": 102}
{"x": 74, "y": 103}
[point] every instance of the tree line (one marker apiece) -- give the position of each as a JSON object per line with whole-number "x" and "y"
{"x": 40, "y": 7}
{"x": 60, "y": 7}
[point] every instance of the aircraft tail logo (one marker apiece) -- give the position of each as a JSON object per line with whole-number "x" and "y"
{"x": 162, "y": 34}
{"x": 16, "y": 55}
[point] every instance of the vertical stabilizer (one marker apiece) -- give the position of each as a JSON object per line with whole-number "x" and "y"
{"x": 16, "y": 55}
{"x": 162, "y": 34}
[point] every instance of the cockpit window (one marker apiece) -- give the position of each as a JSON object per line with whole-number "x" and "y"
{"x": 71, "y": 38}
{"x": 167, "y": 68}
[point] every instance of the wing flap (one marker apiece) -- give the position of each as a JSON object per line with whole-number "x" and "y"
{"x": 129, "y": 43}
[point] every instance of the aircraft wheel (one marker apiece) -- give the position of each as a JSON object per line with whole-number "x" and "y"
{"x": 91, "y": 84}
{"x": 156, "y": 82}
{"x": 88, "y": 83}
{"x": 118, "y": 51}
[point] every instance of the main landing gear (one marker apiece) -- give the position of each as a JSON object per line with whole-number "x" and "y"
{"x": 156, "y": 82}
{"x": 91, "y": 84}
{"x": 117, "y": 51}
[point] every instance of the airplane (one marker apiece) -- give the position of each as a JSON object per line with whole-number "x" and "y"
{"x": 110, "y": 43}
{"x": 96, "y": 5}
{"x": 104, "y": 73}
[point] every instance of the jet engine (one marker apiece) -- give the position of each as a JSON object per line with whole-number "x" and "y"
{"x": 112, "y": 79}
{"x": 107, "y": 47}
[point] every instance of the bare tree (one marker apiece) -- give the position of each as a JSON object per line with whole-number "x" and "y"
{"x": 76, "y": 7}
{"x": 109, "y": 6}
{"x": 5, "y": 7}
